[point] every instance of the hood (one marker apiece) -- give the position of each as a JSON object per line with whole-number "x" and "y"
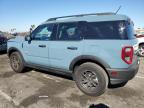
{"x": 17, "y": 39}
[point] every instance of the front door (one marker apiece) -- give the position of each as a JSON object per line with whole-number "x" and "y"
{"x": 37, "y": 51}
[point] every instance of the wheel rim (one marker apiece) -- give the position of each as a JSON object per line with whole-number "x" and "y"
{"x": 89, "y": 80}
{"x": 141, "y": 50}
{"x": 15, "y": 62}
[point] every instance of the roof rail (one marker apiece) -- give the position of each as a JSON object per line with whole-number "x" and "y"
{"x": 80, "y": 15}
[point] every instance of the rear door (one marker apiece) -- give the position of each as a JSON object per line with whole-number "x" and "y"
{"x": 67, "y": 45}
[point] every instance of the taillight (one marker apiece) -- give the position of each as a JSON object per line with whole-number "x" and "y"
{"x": 127, "y": 54}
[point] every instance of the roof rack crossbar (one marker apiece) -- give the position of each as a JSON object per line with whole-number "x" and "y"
{"x": 80, "y": 15}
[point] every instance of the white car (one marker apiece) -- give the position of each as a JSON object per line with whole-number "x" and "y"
{"x": 141, "y": 45}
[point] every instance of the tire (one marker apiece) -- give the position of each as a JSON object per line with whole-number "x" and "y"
{"x": 141, "y": 50}
{"x": 91, "y": 79}
{"x": 17, "y": 62}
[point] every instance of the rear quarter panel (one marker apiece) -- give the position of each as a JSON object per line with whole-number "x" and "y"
{"x": 108, "y": 50}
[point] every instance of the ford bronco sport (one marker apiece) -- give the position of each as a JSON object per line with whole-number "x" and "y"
{"x": 98, "y": 50}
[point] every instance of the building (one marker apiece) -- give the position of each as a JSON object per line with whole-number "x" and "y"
{"x": 139, "y": 31}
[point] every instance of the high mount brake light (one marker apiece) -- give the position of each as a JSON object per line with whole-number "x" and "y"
{"x": 127, "y": 54}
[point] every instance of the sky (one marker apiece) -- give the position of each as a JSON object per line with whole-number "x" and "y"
{"x": 21, "y": 14}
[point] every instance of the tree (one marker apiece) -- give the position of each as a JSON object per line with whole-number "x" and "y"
{"x": 33, "y": 27}
{"x": 13, "y": 29}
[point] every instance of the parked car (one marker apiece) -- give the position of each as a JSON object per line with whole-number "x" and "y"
{"x": 98, "y": 50}
{"x": 3, "y": 43}
{"x": 141, "y": 44}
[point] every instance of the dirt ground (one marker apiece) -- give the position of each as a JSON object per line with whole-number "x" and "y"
{"x": 38, "y": 89}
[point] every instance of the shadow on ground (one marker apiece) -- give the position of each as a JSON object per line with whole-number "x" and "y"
{"x": 7, "y": 74}
{"x": 98, "y": 106}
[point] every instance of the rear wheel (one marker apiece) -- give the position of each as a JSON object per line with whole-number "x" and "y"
{"x": 17, "y": 62}
{"x": 141, "y": 50}
{"x": 91, "y": 79}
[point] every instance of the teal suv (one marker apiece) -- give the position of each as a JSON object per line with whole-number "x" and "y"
{"x": 98, "y": 50}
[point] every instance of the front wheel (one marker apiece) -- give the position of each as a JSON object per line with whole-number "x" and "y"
{"x": 91, "y": 79}
{"x": 16, "y": 62}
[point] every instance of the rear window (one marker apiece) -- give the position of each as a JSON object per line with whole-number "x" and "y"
{"x": 107, "y": 30}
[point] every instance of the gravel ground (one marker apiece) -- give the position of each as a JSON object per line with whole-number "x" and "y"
{"x": 38, "y": 89}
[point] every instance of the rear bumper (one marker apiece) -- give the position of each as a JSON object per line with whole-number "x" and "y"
{"x": 118, "y": 76}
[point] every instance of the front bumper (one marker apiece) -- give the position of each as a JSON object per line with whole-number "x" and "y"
{"x": 118, "y": 76}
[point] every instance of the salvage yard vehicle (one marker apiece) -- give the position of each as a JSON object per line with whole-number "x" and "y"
{"x": 98, "y": 50}
{"x": 3, "y": 43}
{"x": 141, "y": 44}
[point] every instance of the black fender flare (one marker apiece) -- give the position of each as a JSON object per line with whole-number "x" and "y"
{"x": 12, "y": 49}
{"x": 89, "y": 58}
{"x": 15, "y": 49}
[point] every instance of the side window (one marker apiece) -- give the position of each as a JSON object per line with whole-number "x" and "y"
{"x": 105, "y": 30}
{"x": 68, "y": 31}
{"x": 42, "y": 32}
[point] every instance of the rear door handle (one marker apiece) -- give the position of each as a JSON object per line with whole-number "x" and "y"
{"x": 72, "y": 48}
{"x": 42, "y": 46}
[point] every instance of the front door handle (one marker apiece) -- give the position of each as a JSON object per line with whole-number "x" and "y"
{"x": 42, "y": 46}
{"x": 72, "y": 48}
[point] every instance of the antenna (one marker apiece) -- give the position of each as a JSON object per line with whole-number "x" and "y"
{"x": 118, "y": 9}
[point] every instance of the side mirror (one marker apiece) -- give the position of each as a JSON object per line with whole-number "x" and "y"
{"x": 31, "y": 30}
{"x": 28, "y": 38}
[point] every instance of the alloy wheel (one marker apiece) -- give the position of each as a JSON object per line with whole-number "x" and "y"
{"x": 15, "y": 62}
{"x": 89, "y": 80}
